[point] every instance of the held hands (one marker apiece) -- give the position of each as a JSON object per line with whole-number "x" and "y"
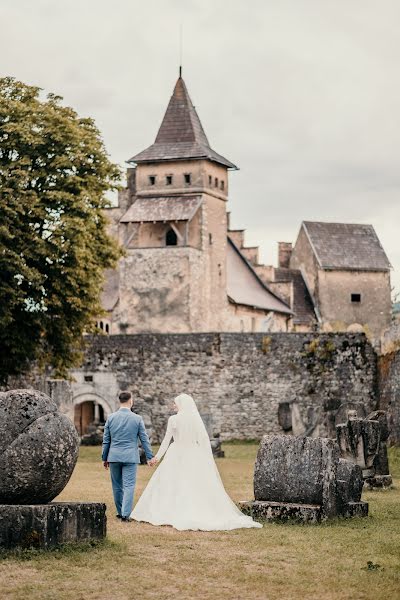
{"x": 153, "y": 461}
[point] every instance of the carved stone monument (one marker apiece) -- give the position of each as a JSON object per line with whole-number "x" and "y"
{"x": 363, "y": 441}
{"x": 39, "y": 449}
{"x": 304, "y": 479}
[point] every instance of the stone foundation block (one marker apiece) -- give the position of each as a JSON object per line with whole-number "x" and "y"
{"x": 282, "y": 511}
{"x": 49, "y": 525}
{"x": 355, "y": 509}
{"x": 379, "y": 481}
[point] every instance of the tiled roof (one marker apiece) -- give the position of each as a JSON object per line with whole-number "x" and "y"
{"x": 166, "y": 208}
{"x": 110, "y": 293}
{"x": 346, "y": 246}
{"x": 181, "y": 135}
{"x": 302, "y": 304}
{"x": 245, "y": 287}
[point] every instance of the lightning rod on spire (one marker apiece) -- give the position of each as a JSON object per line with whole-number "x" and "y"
{"x": 180, "y": 49}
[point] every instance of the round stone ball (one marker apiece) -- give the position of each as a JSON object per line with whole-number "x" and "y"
{"x": 38, "y": 448}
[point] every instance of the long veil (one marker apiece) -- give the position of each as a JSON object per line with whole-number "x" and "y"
{"x": 192, "y": 430}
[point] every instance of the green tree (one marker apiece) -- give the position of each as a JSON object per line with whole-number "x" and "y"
{"x": 54, "y": 246}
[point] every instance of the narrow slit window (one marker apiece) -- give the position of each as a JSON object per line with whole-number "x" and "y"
{"x": 210, "y": 238}
{"x": 210, "y": 180}
{"x": 171, "y": 239}
{"x": 152, "y": 179}
{"x": 356, "y": 297}
{"x": 188, "y": 178}
{"x": 107, "y": 328}
{"x": 222, "y": 185}
{"x": 216, "y": 182}
{"x": 168, "y": 179}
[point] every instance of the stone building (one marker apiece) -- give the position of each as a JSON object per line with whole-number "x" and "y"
{"x": 347, "y": 274}
{"x": 335, "y": 278}
{"x": 183, "y": 270}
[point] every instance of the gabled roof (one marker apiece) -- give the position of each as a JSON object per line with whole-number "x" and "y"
{"x": 165, "y": 208}
{"x": 181, "y": 135}
{"x": 246, "y": 288}
{"x": 346, "y": 246}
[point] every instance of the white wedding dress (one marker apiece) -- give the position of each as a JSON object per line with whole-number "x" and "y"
{"x": 186, "y": 490}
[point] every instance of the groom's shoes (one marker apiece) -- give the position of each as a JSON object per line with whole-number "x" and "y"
{"x": 118, "y": 516}
{"x": 126, "y": 519}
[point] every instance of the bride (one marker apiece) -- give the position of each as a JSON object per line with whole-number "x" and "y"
{"x": 186, "y": 491}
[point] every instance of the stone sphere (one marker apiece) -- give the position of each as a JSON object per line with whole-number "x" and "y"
{"x": 38, "y": 448}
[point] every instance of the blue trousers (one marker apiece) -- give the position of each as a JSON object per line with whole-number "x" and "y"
{"x": 123, "y": 479}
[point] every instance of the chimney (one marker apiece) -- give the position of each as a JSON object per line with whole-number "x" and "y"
{"x": 131, "y": 179}
{"x": 284, "y": 254}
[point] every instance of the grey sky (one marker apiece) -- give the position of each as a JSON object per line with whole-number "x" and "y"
{"x": 304, "y": 95}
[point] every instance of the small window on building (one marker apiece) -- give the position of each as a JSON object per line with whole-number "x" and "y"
{"x": 216, "y": 182}
{"x": 168, "y": 179}
{"x": 88, "y": 378}
{"x": 356, "y": 297}
{"x": 222, "y": 185}
{"x": 101, "y": 325}
{"x": 171, "y": 239}
{"x": 152, "y": 179}
{"x": 188, "y": 178}
{"x": 210, "y": 238}
{"x": 107, "y": 328}
{"x": 210, "y": 180}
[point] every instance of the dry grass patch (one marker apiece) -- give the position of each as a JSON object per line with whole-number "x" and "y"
{"x": 323, "y": 562}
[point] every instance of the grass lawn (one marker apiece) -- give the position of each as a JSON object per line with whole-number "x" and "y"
{"x": 355, "y": 559}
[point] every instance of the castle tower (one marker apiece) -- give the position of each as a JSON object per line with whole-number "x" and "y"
{"x": 173, "y": 277}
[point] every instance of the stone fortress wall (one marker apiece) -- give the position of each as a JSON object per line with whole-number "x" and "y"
{"x": 248, "y": 384}
{"x": 389, "y": 379}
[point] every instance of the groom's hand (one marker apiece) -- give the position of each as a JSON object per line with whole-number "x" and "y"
{"x": 153, "y": 461}
{"x": 106, "y": 464}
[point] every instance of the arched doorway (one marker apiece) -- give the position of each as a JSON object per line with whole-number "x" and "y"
{"x": 86, "y": 414}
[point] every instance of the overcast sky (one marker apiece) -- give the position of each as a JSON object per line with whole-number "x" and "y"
{"x": 303, "y": 95}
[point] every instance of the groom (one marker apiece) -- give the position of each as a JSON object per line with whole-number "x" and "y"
{"x": 121, "y": 454}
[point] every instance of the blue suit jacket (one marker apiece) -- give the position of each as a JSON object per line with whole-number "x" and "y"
{"x": 122, "y": 431}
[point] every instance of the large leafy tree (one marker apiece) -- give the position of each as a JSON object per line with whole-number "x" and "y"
{"x": 54, "y": 246}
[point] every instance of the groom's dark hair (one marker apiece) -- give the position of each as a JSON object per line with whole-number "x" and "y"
{"x": 125, "y": 397}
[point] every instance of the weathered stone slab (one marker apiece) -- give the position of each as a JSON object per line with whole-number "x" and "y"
{"x": 276, "y": 511}
{"x": 379, "y": 481}
{"x": 304, "y": 479}
{"x": 359, "y": 440}
{"x": 355, "y": 509}
{"x": 38, "y": 448}
{"x": 349, "y": 482}
{"x": 49, "y": 525}
{"x": 295, "y": 470}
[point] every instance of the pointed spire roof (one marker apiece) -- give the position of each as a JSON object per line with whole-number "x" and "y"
{"x": 181, "y": 135}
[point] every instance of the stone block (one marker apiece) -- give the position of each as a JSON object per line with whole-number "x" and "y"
{"x": 359, "y": 441}
{"x": 38, "y": 447}
{"x": 349, "y": 482}
{"x": 276, "y": 511}
{"x": 379, "y": 481}
{"x": 285, "y": 416}
{"x": 304, "y": 479}
{"x": 46, "y": 526}
{"x": 294, "y": 470}
{"x": 364, "y": 442}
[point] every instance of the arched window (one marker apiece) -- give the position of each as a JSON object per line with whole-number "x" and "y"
{"x": 101, "y": 325}
{"x": 107, "y": 328}
{"x": 171, "y": 239}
